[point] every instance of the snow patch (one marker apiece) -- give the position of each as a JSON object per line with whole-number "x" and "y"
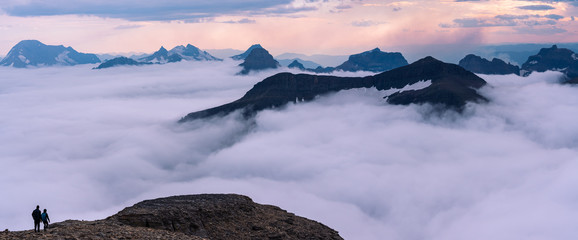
{"x": 63, "y": 58}
{"x": 410, "y": 87}
{"x": 533, "y": 62}
{"x": 23, "y": 59}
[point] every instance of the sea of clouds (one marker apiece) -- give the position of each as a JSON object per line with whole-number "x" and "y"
{"x": 86, "y": 143}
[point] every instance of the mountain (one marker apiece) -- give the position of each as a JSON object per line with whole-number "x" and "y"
{"x": 178, "y": 53}
{"x": 120, "y": 61}
{"x": 553, "y": 59}
{"x": 34, "y": 53}
{"x": 258, "y": 59}
{"x": 195, "y": 217}
{"x": 481, "y": 65}
{"x": 161, "y": 56}
{"x": 449, "y": 85}
{"x": 296, "y": 64}
{"x": 244, "y": 55}
{"x": 305, "y": 63}
{"x": 192, "y": 53}
{"x": 373, "y": 61}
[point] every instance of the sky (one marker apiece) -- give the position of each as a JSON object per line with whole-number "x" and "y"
{"x": 86, "y": 143}
{"x": 334, "y": 27}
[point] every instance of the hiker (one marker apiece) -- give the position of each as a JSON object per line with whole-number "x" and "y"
{"x": 36, "y": 215}
{"x": 45, "y": 219}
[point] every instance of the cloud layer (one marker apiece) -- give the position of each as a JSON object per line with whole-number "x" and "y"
{"x": 85, "y": 143}
{"x": 142, "y": 10}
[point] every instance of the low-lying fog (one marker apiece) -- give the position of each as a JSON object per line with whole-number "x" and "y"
{"x": 86, "y": 143}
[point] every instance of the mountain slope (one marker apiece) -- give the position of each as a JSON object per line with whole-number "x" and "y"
{"x": 451, "y": 85}
{"x": 34, "y": 53}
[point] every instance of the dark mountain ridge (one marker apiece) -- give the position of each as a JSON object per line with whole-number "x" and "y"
{"x": 451, "y": 85}
{"x": 481, "y": 65}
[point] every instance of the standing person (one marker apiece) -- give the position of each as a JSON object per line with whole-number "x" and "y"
{"x": 45, "y": 219}
{"x": 36, "y": 215}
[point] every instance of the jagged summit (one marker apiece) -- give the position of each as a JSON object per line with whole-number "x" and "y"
{"x": 258, "y": 59}
{"x": 34, "y": 53}
{"x": 244, "y": 55}
{"x": 451, "y": 86}
{"x": 374, "y": 61}
{"x": 481, "y": 65}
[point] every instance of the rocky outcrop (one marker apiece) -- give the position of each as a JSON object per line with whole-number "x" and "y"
{"x": 258, "y": 59}
{"x": 120, "y": 61}
{"x": 481, "y": 65}
{"x": 373, "y": 61}
{"x": 206, "y": 216}
{"x": 36, "y": 54}
{"x": 451, "y": 85}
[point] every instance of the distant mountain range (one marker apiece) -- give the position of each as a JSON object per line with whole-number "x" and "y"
{"x": 305, "y": 63}
{"x": 162, "y": 56}
{"x": 33, "y": 53}
{"x": 444, "y": 84}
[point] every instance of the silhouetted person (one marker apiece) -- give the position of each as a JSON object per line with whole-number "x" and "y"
{"x": 37, "y": 216}
{"x": 45, "y": 219}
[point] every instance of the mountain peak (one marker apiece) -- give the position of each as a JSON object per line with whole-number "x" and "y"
{"x": 258, "y": 59}
{"x": 374, "y": 61}
{"x": 244, "y": 55}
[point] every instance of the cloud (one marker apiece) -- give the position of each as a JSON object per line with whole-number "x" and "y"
{"x": 554, "y": 16}
{"x": 366, "y": 23}
{"x": 537, "y": 7}
{"x": 242, "y": 21}
{"x": 504, "y": 20}
{"x": 85, "y": 143}
{"x": 148, "y": 10}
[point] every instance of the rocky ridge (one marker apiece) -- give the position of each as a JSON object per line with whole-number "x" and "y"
{"x": 205, "y": 216}
{"x": 451, "y": 85}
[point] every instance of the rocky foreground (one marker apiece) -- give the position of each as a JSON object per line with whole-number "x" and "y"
{"x": 206, "y": 216}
